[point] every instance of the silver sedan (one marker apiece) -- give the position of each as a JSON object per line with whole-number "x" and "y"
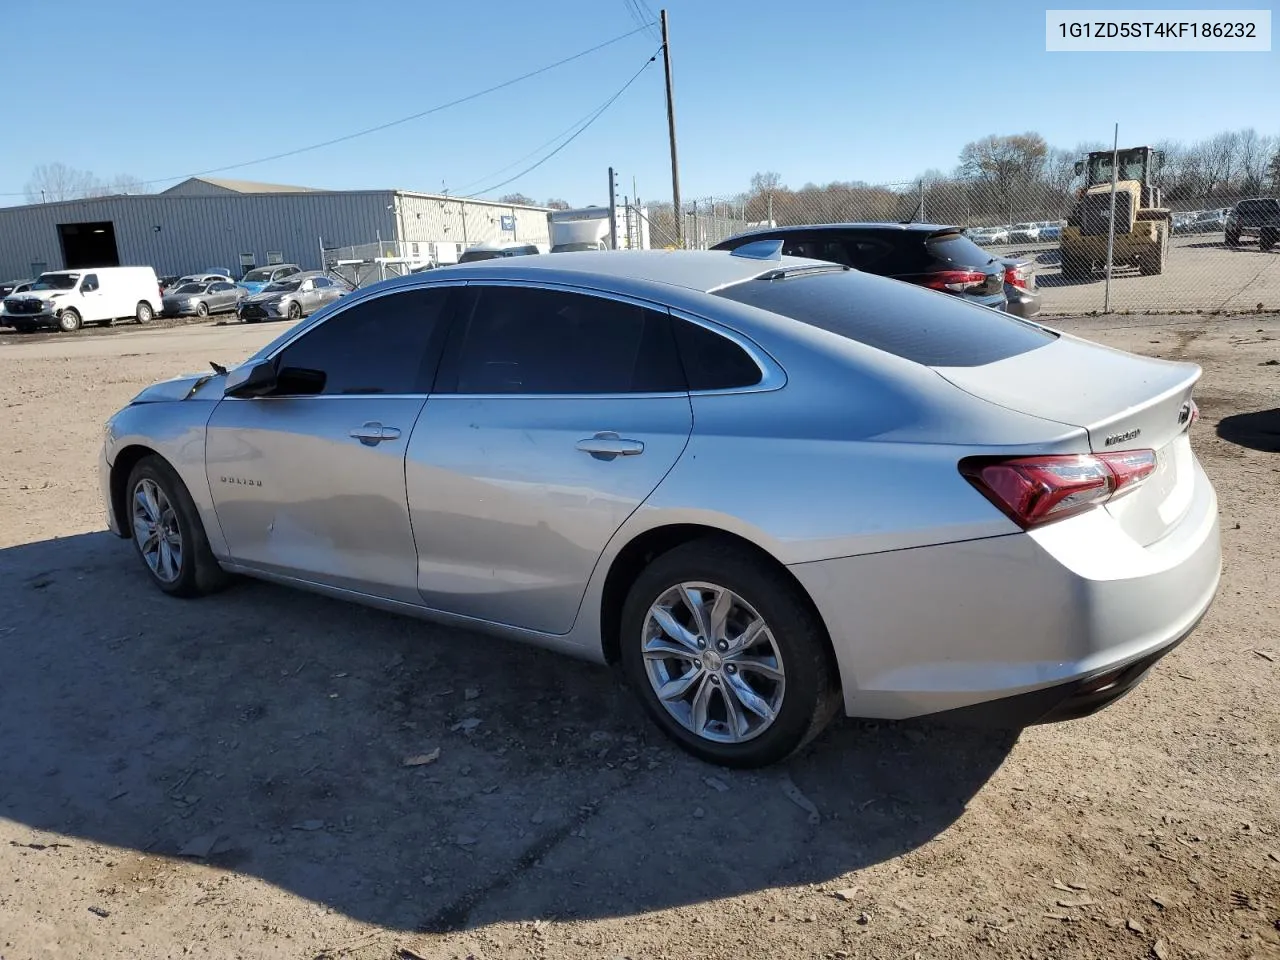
{"x": 201, "y": 297}
{"x": 771, "y": 489}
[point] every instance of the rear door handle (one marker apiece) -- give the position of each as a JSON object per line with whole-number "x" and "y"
{"x": 371, "y": 433}
{"x": 607, "y": 445}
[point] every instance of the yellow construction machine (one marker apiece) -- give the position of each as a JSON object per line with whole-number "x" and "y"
{"x": 1142, "y": 222}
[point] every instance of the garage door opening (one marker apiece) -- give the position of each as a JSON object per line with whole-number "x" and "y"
{"x": 89, "y": 245}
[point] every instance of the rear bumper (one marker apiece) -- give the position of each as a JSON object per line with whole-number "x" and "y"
{"x": 1022, "y": 303}
{"x": 1028, "y": 618}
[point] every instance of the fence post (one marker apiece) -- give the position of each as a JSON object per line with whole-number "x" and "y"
{"x": 1111, "y": 230}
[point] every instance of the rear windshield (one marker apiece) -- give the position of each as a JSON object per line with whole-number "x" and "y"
{"x": 958, "y": 249}
{"x": 934, "y": 329}
{"x": 471, "y": 256}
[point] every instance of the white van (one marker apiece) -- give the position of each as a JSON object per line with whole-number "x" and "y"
{"x": 68, "y": 299}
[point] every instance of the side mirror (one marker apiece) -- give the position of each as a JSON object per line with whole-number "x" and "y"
{"x": 1079, "y": 167}
{"x": 252, "y": 379}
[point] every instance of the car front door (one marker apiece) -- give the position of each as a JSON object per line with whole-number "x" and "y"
{"x": 93, "y": 301}
{"x": 310, "y": 484}
{"x": 556, "y": 414}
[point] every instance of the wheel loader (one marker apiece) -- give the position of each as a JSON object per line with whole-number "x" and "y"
{"x": 1142, "y": 222}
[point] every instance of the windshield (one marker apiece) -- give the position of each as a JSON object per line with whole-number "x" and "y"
{"x": 258, "y": 276}
{"x": 573, "y": 247}
{"x": 56, "y": 281}
{"x": 191, "y": 288}
{"x": 1131, "y": 167}
{"x": 283, "y": 286}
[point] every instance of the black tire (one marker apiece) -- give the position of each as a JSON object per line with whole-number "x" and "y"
{"x": 810, "y": 695}
{"x": 69, "y": 320}
{"x": 143, "y": 312}
{"x": 202, "y": 310}
{"x": 295, "y": 310}
{"x": 1267, "y": 238}
{"x": 1231, "y": 239}
{"x": 198, "y": 573}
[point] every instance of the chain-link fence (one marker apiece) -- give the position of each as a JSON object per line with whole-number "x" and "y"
{"x": 1170, "y": 250}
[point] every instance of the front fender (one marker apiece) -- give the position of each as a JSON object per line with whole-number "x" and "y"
{"x": 175, "y": 430}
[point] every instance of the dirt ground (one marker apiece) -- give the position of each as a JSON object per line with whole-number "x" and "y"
{"x": 226, "y": 777}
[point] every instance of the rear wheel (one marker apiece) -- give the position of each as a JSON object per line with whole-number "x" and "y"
{"x": 69, "y": 321}
{"x": 727, "y": 656}
{"x": 167, "y": 532}
{"x": 144, "y": 313}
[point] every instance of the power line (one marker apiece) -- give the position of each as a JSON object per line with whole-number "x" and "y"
{"x": 391, "y": 123}
{"x": 581, "y": 130}
{"x": 585, "y": 119}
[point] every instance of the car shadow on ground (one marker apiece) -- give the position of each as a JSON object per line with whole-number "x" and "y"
{"x": 1259, "y": 430}
{"x": 294, "y": 738}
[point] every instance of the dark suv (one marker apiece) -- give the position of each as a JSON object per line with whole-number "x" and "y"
{"x": 1254, "y": 218}
{"x": 932, "y": 255}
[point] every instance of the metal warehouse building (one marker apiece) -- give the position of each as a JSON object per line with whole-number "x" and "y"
{"x": 206, "y": 222}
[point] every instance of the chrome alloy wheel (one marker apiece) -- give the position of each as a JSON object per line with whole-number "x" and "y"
{"x": 155, "y": 529}
{"x": 713, "y": 662}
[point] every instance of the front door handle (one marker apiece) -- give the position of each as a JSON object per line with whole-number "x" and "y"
{"x": 607, "y": 445}
{"x": 371, "y": 433}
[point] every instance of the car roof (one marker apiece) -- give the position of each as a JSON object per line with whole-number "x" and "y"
{"x": 912, "y": 227}
{"x": 699, "y": 270}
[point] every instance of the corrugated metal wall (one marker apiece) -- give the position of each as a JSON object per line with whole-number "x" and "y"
{"x": 427, "y": 218}
{"x": 199, "y": 232}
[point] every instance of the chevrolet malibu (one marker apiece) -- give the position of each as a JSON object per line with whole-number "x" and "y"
{"x": 769, "y": 489}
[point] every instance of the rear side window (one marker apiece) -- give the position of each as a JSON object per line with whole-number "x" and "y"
{"x": 516, "y": 340}
{"x": 713, "y": 362}
{"x": 918, "y": 325}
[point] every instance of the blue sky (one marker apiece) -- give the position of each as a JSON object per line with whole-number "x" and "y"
{"x": 820, "y": 90}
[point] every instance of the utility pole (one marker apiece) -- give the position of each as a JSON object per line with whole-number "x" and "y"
{"x": 613, "y": 211}
{"x": 671, "y": 132}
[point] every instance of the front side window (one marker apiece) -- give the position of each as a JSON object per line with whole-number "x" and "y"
{"x": 518, "y": 340}
{"x": 90, "y": 283}
{"x": 381, "y": 346}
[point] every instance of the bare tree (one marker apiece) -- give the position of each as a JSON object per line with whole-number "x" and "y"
{"x": 518, "y": 199}
{"x": 53, "y": 182}
{"x": 1273, "y": 169}
{"x": 557, "y": 204}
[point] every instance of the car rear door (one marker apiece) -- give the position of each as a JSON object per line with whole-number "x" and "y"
{"x": 310, "y": 485}
{"x": 556, "y": 413}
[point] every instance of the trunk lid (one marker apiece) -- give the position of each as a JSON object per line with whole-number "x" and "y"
{"x": 1124, "y": 402}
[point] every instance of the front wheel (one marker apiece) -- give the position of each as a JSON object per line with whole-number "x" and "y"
{"x": 1267, "y": 239}
{"x": 727, "y": 656}
{"x": 143, "y": 313}
{"x": 202, "y": 310}
{"x": 295, "y": 310}
{"x": 167, "y": 532}
{"x": 69, "y": 321}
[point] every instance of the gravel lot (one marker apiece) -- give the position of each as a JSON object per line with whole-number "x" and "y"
{"x": 226, "y": 777}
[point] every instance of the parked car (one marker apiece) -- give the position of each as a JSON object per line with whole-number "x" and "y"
{"x": 1049, "y": 233}
{"x": 194, "y": 278}
{"x": 14, "y": 286}
{"x": 770, "y": 488}
{"x": 1024, "y": 233}
{"x": 256, "y": 280}
{"x": 494, "y": 249}
{"x": 1258, "y": 218}
{"x": 1020, "y": 291}
{"x": 292, "y": 298}
{"x": 931, "y": 255}
{"x": 987, "y": 236}
{"x": 68, "y": 299}
{"x": 202, "y": 297}
{"x": 168, "y": 281}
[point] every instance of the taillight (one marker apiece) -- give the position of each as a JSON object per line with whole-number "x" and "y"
{"x": 956, "y": 281}
{"x": 1015, "y": 277}
{"x": 1195, "y": 413}
{"x": 1032, "y": 491}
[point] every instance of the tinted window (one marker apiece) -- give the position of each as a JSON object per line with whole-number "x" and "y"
{"x": 915, "y": 324}
{"x": 384, "y": 345}
{"x": 525, "y": 340}
{"x": 713, "y": 362}
{"x": 90, "y": 283}
{"x": 957, "y": 249}
{"x": 471, "y": 256}
{"x": 320, "y": 283}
